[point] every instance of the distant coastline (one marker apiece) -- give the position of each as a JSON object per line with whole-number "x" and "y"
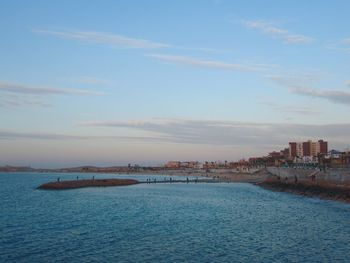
{"x": 327, "y": 185}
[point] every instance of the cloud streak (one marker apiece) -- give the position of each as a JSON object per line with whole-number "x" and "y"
{"x": 11, "y": 102}
{"x": 227, "y": 133}
{"x": 302, "y": 110}
{"x": 92, "y": 80}
{"x": 103, "y": 38}
{"x": 235, "y": 135}
{"x": 119, "y": 41}
{"x": 301, "y": 86}
{"x": 336, "y": 96}
{"x": 340, "y": 45}
{"x": 13, "y": 135}
{"x": 31, "y": 90}
{"x": 184, "y": 60}
{"x": 14, "y": 95}
{"x": 272, "y": 30}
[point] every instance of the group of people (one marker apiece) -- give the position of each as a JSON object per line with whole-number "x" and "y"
{"x": 286, "y": 178}
{"x": 154, "y": 180}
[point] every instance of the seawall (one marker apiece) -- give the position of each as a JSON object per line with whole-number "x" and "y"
{"x": 334, "y": 185}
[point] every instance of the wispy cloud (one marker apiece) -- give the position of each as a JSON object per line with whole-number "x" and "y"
{"x": 31, "y": 90}
{"x": 10, "y": 135}
{"x": 119, "y": 41}
{"x": 228, "y": 133}
{"x": 342, "y": 45}
{"x": 103, "y": 38}
{"x": 336, "y": 96}
{"x": 273, "y": 30}
{"x": 47, "y": 136}
{"x": 14, "y": 95}
{"x": 346, "y": 41}
{"x": 301, "y": 110}
{"x": 201, "y": 132}
{"x": 205, "y": 50}
{"x": 13, "y": 101}
{"x": 92, "y": 80}
{"x": 297, "y": 79}
{"x": 347, "y": 82}
{"x": 302, "y": 85}
{"x": 184, "y": 60}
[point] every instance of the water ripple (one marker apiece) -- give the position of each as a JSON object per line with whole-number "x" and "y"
{"x": 166, "y": 223}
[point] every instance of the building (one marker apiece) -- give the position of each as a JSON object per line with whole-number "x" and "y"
{"x": 184, "y": 165}
{"x": 323, "y": 146}
{"x": 292, "y": 149}
{"x": 300, "y": 149}
{"x": 308, "y": 148}
{"x": 314, "y": 148}
{"x": 172, "y": 165}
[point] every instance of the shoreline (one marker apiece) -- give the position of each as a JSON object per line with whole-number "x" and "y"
{"x": 322, "y": 190}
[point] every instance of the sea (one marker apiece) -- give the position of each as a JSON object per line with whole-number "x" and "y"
{"x": 178, "y": 222}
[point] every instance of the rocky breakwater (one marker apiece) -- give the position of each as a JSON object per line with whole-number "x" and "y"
{"x": 64, "y": 185}
{"x": 311, "y": 185}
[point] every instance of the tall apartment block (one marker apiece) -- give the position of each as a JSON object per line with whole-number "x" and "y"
{"x": 308, "y": 148}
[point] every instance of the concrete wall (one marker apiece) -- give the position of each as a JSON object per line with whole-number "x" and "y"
{"x": 335, "y": 175}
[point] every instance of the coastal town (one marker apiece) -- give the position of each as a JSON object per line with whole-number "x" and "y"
{"x": 298, "y": 154}
{"x": 306, "y": 168}
{"x": 307, "y": 154}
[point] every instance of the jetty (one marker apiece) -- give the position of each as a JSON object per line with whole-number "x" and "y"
{"x": 73, "y": 184}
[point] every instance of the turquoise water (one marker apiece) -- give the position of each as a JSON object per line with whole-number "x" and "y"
{"x": 166, "y": 223}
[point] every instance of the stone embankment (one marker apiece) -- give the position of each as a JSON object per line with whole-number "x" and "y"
{"x": 332, "y": 184}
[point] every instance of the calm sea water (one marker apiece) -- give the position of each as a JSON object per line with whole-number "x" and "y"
{"x": 166, "y": 223}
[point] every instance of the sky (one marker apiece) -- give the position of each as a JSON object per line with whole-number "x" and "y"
{"x": 143, "y": 82}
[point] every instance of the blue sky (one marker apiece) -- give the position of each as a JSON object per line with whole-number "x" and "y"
{"x": 115, "y": 82}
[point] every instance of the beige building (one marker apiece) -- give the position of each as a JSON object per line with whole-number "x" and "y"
{"x": 314, "y": 148}
{"x": 300, "y": 151}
